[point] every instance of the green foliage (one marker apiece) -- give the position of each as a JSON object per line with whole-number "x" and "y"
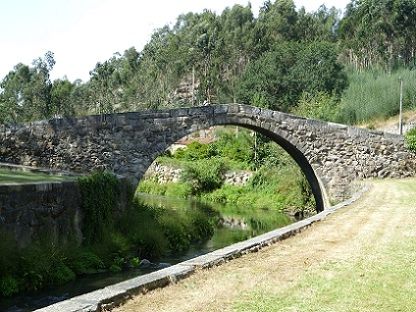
{"x": 270, "y": 189}
{"x": 277, "y": 184}
{"x": 61, "y": 274}
{"x": 25, "y": 91}
{"x": 99, "y": 193}
{"x": 8, "y": 286}
{"x": 44, "y": 263}
{"x": 140, "y": 231}
{"x": 167, "y": 189}
{"x": 379, "y": 34}
{"x": 375, "y": 94}
{"x": 411, "y": 140}
{"x": 157, "y": 230}
{"x": 204, "y": 176}
{"x": 269, "y": 61}
{"x": 319, "y": 106}
{"x": 196, "y": 151}
{"x": 280, "y": 76}
{"x": 85, "y": 262}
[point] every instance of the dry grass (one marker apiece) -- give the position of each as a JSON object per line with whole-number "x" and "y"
{"x": 361, "y": 259}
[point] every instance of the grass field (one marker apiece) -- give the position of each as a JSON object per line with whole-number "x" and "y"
{"x": 11, "y": 176}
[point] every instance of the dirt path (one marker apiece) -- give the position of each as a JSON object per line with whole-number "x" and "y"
{"x": 387, "y": 211}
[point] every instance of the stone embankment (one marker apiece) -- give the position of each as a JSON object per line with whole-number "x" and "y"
{"x": 166, "y": 174}
{"x": 30, "y": 211}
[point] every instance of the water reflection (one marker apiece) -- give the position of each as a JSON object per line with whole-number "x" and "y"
{"x": 233, "y": 224}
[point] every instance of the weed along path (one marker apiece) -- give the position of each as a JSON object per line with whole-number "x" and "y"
{"x": 362, "y": 258}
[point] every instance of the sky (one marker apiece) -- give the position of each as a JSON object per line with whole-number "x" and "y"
{"x": 81, "y": 33}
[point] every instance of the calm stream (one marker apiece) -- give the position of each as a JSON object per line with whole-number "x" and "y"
{"x": 234, "y": 227}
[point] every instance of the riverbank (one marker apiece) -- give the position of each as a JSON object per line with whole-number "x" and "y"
{"x": 236, "y": 169}
{"x": 360, "y": 258}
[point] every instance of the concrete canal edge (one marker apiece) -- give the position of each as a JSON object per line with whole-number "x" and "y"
{"x": 114, "y": 295}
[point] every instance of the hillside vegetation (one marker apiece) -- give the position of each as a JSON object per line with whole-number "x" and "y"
{"x": 320, "y": 64}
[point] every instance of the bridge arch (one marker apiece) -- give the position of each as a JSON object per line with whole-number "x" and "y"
{"x": 287, "y": 142}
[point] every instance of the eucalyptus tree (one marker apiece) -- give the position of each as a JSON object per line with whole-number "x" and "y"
{"x": 276, "y": 23}
{"x": 103, "y": 86}
{"x": 26, "y": 91}
{"x": 280, "y": 76}
{"x": 379, "y": 33}
{"x": 237, "y": 35}
{"x": 61, "y": 97}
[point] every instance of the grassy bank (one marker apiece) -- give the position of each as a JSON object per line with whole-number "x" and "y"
{"x": 111, "y": 241}
{"x": 277, "y": 183}
{"x": 14, "y": 176}
{"x": 358, "y": 259}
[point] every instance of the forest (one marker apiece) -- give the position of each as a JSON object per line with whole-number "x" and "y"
{"x": 325, "y": 64}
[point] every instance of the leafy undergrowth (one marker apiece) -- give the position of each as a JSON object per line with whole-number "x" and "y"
{"x": 112, "y": 241}
{"x": 411, "y": 140}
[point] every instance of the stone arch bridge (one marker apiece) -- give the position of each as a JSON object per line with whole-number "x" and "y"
{"x": 332, "y": 156}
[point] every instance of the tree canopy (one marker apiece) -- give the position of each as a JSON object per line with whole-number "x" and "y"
{"x": 275, "y": 60}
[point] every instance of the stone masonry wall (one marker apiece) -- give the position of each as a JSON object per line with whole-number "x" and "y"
{"x": 53, "y": 209}
{"x": 332, "y": 156}
{"x": 30, "y": 211}
{"x": 165, "y": 174}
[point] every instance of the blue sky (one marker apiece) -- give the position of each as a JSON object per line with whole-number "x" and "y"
{"x": 83, "y": 32}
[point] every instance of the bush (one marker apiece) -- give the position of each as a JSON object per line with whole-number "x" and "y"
{"x": 319, "y": 106}
{"x": 99, "y": 192}
{"x": 204, "y": 176}
{"x": 86, "y": 262}
{"x": 411, "y": 140}
{"x": 196, "y": 151}
{"x": 60, "y": 274}
{"x": 8, "y": 286}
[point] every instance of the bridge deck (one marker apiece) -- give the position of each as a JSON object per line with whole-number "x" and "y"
{"x": 359, "y": 258}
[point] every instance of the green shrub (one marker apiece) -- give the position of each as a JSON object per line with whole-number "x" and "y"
{"x": 204, "y": 176}
{"x": 86, "y": 262}
{"x": 176, "y": 230}
{"x": 99, "y": 192}
{"x": 411, "y": 140}
{"x": 60, "y": 274}
{"x": 317, "y": 106}
{"x": 44, "y": 263}
{"x": 196, "y": 151}
{"x": 8, "y": 286}
{"x": 151, "y": 243}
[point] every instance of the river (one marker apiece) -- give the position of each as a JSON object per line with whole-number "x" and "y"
{"x": 236, "y": 224}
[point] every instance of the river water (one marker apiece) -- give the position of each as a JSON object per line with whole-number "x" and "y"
{"x": 236, "y": 224}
